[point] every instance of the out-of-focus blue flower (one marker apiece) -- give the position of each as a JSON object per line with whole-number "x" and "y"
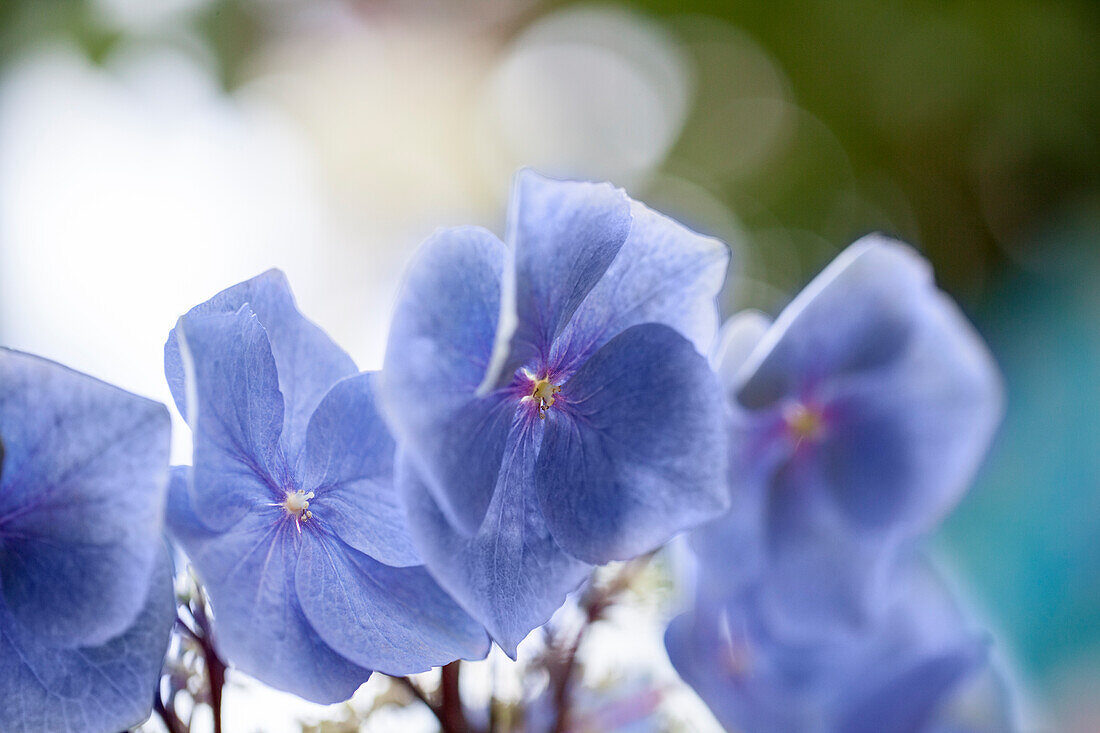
{"x": 289, "y": 513}
{"x": 859, "y": 419}
{"x": 919, "y": 667}
{"x": 86, "y": 599}
{"x": 549, "y": 399}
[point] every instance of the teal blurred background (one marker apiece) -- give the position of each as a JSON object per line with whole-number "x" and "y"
{"x": 152, "y": 153}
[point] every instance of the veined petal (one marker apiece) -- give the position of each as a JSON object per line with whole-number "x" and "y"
{"x": 348, "y": 465}
{"x": 664, "y": 273}
{"x": 393, "y": 620}
{"x": 82, "y": 494}
{"x": 441, "y": 340}
{"x": 564, "y": 236}
{"x": 236, "y": 413}
{"x": 307, "y": 360}
{"x": 511, "y": 575}
{"x": 96, "y": 689}
{"x": 248, "y": 572}
{"x": 857, "y": 315}
{"x": 637, "y": 452}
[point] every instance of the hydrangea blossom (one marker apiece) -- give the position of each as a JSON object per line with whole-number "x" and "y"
{"x": 859, "y": 418}
{"x": 919, "y": 667}
{"x": 86, "y": 600}
{"x": 551, "y": 406}
{"x": 289, "y": 514}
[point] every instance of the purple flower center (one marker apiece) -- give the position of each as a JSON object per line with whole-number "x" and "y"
{"x": 804, "y": 422}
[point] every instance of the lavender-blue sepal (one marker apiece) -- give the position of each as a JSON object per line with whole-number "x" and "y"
{"x": 549, "y": 396}
{"x": 86, "y": 602}
{"x": 289, "y": 513}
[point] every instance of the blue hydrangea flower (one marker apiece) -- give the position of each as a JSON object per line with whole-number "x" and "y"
{"x": 920, "y": 667}
{"x": 289, "y": 514}
{"x": 86, "y": 602}
{"x": 859, "y": 419}
{"x": 549, "y": 399}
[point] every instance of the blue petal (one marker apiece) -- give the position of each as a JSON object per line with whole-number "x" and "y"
{"x": 821, "y": 578}
{"x": 919, "y": 659}
{"x": 394, "y": 620}
{"x": 909, "y": 438}
{"x": 564, "y": 236}
{"x": 637, "y": 452}
{"x": 664, "y": 273}
{"x": 855, "y": 316}
{"x": 441, "y": 340}
{"x": 696, "y": 657}
{"x": 236, "y": 413}
{"x": 511, "y": 576}
{"x": 909, "y": 699}
{"x": 83, "y": 486}
{"x": 249, "y": 574}
{"x": 717, "y": 654}
{"x": 308, "y": 361}
{"x": 868, "y": 462}
{"x": 731, "y": 551}
{"x": 97, "y": 689}
{"x": 348, "y": 464}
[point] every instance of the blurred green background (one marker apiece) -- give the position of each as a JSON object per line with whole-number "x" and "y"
{"x": 970, "y": 129}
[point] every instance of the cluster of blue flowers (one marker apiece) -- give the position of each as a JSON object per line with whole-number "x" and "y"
{"x": 545, "y": 407}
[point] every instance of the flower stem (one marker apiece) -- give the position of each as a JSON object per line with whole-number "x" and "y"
{"x": 597, "y": 599}
{"x": 202, "y": 634}
{"x": 452, "y": 716}
{"x": 168, "y": 717}
{"x": 447, "y": 703}
{"x": 422, "y": 697}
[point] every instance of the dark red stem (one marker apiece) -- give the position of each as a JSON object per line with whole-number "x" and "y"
{"x": 422, "y": 697}
{"x": 215, "y": 667}
{"x": 168, "y": 717}
{"x": 595, "y": 603}
{"x": 451, "y": 715}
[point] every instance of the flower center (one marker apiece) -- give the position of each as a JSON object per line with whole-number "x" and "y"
{"x": 803, "y": 423}
{"x": 543, "y": 393}
{"x": 297, "y": 505}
